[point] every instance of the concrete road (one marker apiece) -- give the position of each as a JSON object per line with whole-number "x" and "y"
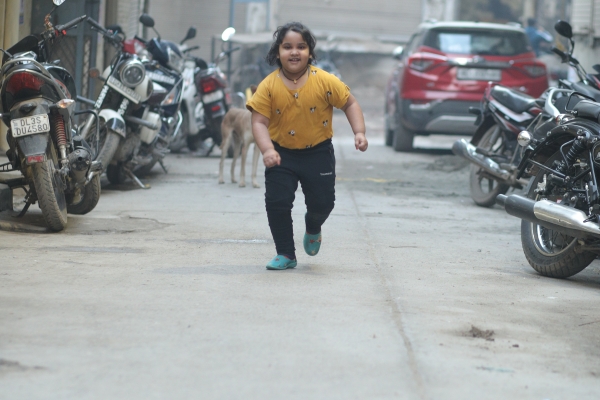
{"x": 416, "y": 294}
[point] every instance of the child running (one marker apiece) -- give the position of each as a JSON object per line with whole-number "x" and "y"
{"x": 292, "y": 113}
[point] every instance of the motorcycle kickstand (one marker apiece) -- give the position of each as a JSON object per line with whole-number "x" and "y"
{"x": 163, "y": 166}
{"x": 26, "y": 207}
{"x": 136, "y": 179}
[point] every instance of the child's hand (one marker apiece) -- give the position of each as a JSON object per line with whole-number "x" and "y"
{"x": 360, "y": 141}
{"x": 271, "y": 158}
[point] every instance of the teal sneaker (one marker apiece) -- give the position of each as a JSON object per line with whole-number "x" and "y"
{"x": 312, "y": 243}
{"x": 280, "y": 262}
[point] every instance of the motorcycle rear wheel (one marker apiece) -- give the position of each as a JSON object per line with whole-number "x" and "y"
{"x": 550, "y": 253}
{"x": 484, "y": 190}
{"x": 50, "y": 194}
{"x": 89, "y": 199}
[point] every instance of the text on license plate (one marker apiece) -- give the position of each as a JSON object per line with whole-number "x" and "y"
{"x": 124, "y": 90}
{"x": 30, "y": 125}
{"x": 479, "y": 74}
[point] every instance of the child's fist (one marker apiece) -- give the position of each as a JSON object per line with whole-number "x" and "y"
{"x": 271, "y": 158}
{"x": 360, "y": 142}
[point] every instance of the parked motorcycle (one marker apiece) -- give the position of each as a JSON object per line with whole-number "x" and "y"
{"x": 211, "y": 84}
{"x": 560, "y": 231}
{"x": 141, "y": 108}
{"x": 504, "y": 112}
{"x": 191, "y": 108}
{"x": 164, "y": 69}
{"x": 37, "y": 105}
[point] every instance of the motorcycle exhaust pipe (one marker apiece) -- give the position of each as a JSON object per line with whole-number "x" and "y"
{"x": 466, "y": 150}
{"x": 79, "y": 162}
{"x": 567, "y": 220}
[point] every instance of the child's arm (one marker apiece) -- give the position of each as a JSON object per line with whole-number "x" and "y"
{"x": 357, "y": 122}
{"x": 260, "y": 131}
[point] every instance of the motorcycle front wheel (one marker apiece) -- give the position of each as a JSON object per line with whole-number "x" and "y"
{"x": 484, "y": 190}
{"x": 50, "y": 194}
{"x": 551, "y": 253}
{"x": 89, "y": 198}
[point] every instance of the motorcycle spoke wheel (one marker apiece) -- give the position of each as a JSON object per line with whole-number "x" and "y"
{"x": 551, "y": 253}
{"x": 50, "y": 194}
{"x": 484, "y": 190}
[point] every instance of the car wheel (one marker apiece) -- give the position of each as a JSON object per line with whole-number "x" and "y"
{"x": 403, "y": 138}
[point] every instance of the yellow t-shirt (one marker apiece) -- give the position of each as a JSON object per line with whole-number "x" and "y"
{"x": 300, "y": 119}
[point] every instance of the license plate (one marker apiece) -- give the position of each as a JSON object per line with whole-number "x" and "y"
{"x": 124, "y": 90}
{"x": 30, "y": 125}
{"x": 479, "y": 74}
{"x": 211, "y": 97}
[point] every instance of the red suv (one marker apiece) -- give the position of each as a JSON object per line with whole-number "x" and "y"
{"x": 445, "y": 68}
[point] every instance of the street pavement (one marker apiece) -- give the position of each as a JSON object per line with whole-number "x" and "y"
{"x": 416, "y": 294}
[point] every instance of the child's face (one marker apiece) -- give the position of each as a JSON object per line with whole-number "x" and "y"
{"x": 294, "y": 52}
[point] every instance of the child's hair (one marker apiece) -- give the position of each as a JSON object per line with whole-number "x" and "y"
{"x": 280, "y": 33}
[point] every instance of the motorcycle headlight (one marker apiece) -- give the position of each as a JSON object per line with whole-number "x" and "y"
{"x": 175, "y": 60}
{"x": 132, "y": 73}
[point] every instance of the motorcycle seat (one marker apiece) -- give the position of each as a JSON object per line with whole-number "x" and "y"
{"x": 516, "y": 101}
{"x": 587, "y": 109}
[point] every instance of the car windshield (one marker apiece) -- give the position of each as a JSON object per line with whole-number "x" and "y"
{"x": 478, "y": 42}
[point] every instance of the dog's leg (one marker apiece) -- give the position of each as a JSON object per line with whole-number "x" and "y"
{"x": 236, "y": 154}
{"x": 226, "y": 132}
{"x": 255, "y": 166}
{"x": 245, "y": 148}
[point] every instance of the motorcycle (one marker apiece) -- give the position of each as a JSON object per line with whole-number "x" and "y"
{"x": 560, "y": 211}
{"x": 164, "y": 69}
{"x": 37, "y": 105}
{"x": 493, "y": 150}
{"x": 130, "y": 101}
{"x": 191, "y": 109}
{"x": 213, "y": 88}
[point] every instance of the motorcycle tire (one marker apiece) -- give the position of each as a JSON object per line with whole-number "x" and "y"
{"x": 50, "y": 195}
{"x": 115, "y": 174}
{"x": 145, "y": 170}
{"x": 109, "y": 143}
{"x": 484, "y": 190}
{"x": 192, "y": 142}
{"x": 89, "y": 199}
{"x": 551, "y": 253}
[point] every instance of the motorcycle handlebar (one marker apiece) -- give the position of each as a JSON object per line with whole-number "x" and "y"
{"x": 96, "y": 25}
{"x": 70, "y": 24}
{"x": 559, "y": 53}
{"x": 191, "y": 49}
{"x": 144, "y": 41}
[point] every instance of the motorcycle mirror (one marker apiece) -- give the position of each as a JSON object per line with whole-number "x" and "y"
{"x": 397, "y": 53}
{"x": 58, "y": 2}
{"x": 147, "y": 20}
{"x": 191, "y": 33}
{"x": 227, "y": 34}
{"x": 564, "y": 29}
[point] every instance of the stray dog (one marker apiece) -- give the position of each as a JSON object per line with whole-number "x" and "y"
{"x": 237, "y": 126}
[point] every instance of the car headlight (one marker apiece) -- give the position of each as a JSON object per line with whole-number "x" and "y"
{"x": 132, "y": 73}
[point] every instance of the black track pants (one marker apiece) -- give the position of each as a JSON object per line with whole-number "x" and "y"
{"x": 314, "y": 168}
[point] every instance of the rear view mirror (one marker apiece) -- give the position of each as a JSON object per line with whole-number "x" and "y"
{"x": 147, "y": 20}
{"x": 564, "y": 29}
{"x": 397, "y": 53}
{"x": 191, "y": 33}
